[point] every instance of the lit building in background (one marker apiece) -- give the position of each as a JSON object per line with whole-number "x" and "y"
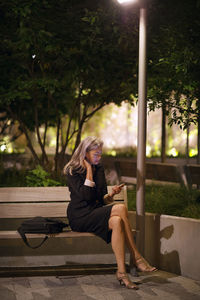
{"x": 117, "y": 126}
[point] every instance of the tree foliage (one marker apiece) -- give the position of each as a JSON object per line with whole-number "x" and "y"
{"x": 63, "y": 61}
{"x": 174, "y": 61}
{"x": 174, "y": 65}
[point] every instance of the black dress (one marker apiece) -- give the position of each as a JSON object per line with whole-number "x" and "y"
{"x": 87, "y": 211}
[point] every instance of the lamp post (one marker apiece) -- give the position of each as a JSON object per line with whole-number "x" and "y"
{"x": 141, "y": 141}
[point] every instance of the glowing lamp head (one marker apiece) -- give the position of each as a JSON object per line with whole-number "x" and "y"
{"x": 126, "y": 1}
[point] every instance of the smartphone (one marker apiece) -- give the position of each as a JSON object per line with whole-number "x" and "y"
{"x": 121, "y": 185}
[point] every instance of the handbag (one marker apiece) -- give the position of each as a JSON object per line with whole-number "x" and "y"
{"x": 40, "y": 225}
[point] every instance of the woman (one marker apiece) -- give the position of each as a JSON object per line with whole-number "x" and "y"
{"x": 87, "y": 211}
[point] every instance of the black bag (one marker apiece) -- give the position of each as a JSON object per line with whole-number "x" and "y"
{"x": 40, "y": 225}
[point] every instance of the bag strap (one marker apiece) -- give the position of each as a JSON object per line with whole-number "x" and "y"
{"x": 23, "y": 235}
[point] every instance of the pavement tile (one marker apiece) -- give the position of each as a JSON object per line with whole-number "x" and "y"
{"x": 21, "y": 281}
{"x": 7, "y": 294}
{"x": 69, "y": 281}
{"x": 189, "y": 285}
{"x": 159, "y": 285}
{"x": 53, "y": 282}
{"x": 168, "y": 286}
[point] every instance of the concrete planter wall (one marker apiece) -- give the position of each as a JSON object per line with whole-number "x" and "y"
{"x": 172, "y": 243}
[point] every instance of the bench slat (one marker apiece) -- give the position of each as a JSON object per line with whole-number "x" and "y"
{"x": 42, "y": 201}
{"x": 15, "y": 234}
{"x": 30, "y": 210}
{"x": 154, "y": 171}
{"x": 34, "y": 194}
{"x": 8, "y": 234}
{"x": 193, "y": 174}
{"x": 43, "y": 194}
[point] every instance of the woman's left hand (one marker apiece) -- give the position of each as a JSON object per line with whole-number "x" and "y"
{"x": 116, "y": 189}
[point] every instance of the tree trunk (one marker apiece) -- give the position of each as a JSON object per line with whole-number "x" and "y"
{"x": 81, "y": 119}
{"x": 163, "y": 137}
{"x": 29, "y": 144}
{"x": 78, "y": 137}
{"x": 187, "y": 144}
{"x": 44, "y": 160}
{"x": 25, "y": 131}
{"x": 45, "y": 133}
{"x": 57, "y": 146}
{"x": 198, "y": 129}
{"x": 198, "y": 139}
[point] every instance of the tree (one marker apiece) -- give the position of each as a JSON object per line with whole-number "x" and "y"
{"x": 175, "y": 60}
{"x": 62, "y": 62}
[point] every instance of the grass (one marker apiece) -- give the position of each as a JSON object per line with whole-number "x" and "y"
{"x": 169, "y": 200}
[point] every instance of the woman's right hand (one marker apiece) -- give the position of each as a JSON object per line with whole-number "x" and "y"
{"x": 87, "y": 164}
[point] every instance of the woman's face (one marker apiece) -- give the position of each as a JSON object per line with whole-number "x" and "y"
{"x": 94, "y": 156}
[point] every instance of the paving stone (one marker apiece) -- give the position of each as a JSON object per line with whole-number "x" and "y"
{"x": 22, "y": 281}
{"x": 53, "y": 282}
{"x": 159, "y": 285}
{"x": 7, "y": 294}
{"x": 68, "y": 282}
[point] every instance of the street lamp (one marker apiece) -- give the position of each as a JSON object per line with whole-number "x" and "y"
{"x": 126, "y": 1}
{"x": 141, "y": 141}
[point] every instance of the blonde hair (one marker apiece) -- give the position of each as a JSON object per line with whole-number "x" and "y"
{"x": 76, "y": 161}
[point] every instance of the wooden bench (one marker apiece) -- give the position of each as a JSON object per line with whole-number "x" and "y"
{"x": 193, "y": 174}
{"x": 28, "y": 202}
{"x": 155, "y": 171}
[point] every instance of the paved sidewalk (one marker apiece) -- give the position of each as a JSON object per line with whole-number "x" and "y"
{"x": 159, "y": 285}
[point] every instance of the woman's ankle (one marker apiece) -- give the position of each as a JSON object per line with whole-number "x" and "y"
{"x": 121, "y": 271}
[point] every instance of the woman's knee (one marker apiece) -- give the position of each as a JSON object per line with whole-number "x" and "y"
{"x": 115, "y": 222}
{"x": 121, "y": 210}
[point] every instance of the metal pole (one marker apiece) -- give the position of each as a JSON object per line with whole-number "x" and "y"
{"x": 141, "y": 143}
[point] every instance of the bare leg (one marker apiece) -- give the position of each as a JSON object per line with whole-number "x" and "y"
{"x": 118, "y": 246}
{"x": 121, "y": 211}
{"x": 118, "y": 241}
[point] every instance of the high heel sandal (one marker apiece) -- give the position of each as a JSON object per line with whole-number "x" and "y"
{"x": 122, "y": 277}
{"x": 143, "y": 266}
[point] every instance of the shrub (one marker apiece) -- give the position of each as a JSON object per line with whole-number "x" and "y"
{"x": 39, "y": 177}
{"x": 169, "y": 200}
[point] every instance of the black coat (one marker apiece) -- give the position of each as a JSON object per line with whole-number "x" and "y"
{"x": 84, "y": 198}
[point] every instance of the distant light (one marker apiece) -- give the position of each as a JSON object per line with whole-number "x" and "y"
{"x": 173, "y": 152}
{"x": 33, "y": 56}
{"x": 52, "y": 142}
{"x": 193, "y": 152}
{"x": 126, "y": 1}
{"x": 3, "y": 147}
{"x": 148, "y": 151}
{"x": 111, "y": 152}
{"x": 113, "y": 115}
{"x": 10, "y": 149}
